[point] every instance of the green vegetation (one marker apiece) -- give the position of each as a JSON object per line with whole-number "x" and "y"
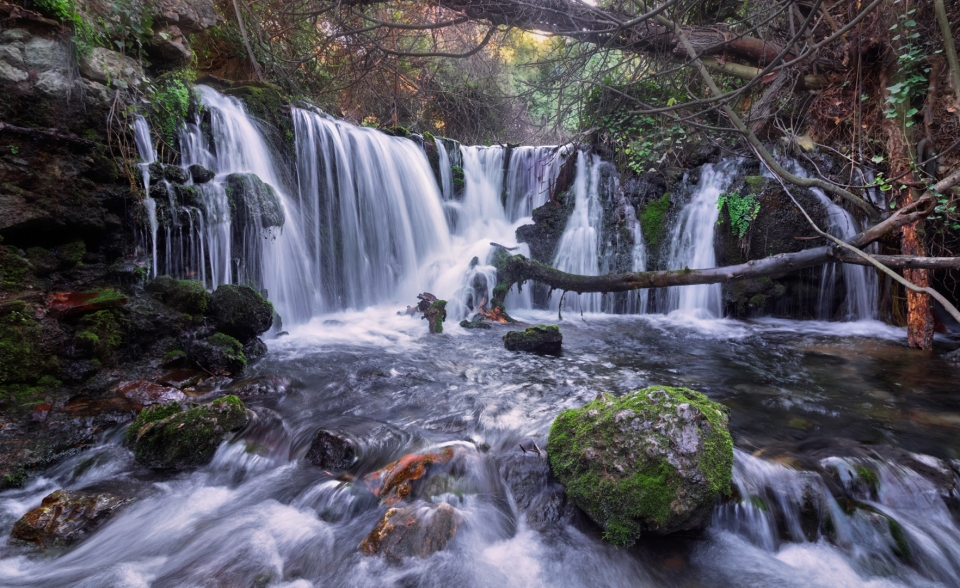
{"x": 587, "y": 444}
{"x": 169, "y": 98}
{"x": 742, "y": 211}
{"x": 653, "y": 220}
{"x": 101, "y": 334}
{"x": 230, "y": 347}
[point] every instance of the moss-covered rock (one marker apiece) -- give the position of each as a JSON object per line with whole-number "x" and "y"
{"x": 167, "y": 437}
{"x": 176, "y": 174}
{"x": 653, "y": 461}
{"x": 187, "y": 296}
{"x": 240, "y": 311}
{"x": 538, "y": 338}
{"x": 200, "y": 174}
{"x": 219, "y": 354}
{"x": 100, "y": 334}
{"x": 435, "y": 314}
{"x": 27, "y": 364}
{"x": 653, "y": 221}
{"x": 549, "y": 222}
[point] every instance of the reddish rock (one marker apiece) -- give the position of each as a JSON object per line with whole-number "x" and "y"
{"x": 145, "y": 393}
{"x": 65, "y": 517}
{"x": 412, "y": 531}
{"x": 85, "y": 407}
{"x": 41, "y": 411}
{"x": 393, "y": 482}
{"x": 66, "y": 304}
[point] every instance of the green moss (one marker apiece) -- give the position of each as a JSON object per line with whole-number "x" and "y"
{"x": 172, "y": 354}
{"x": 653, "y": 220}
{"x": 428, "y": 137}
{"x": 759, "y": 503}
{"x": 24, "y": 358}
{"x": 13, "y": 479}
{"x": 184, "y": 438}
{"x": 436, "y": 314}
{"x": 101, "y": 334}
{"x": 758, "y": 301}
{"x": 230, "y": 347}
{"x": 104, "y": 296}
{"x": 151, "y": 414}
{"x": 624, "y": 504}
{"x": 13, "y": 270}
{"x": 755, "y": 183}
{"x": 869, "y": 477}
{"x": 72, "y": 253}
{"x": 901, "y": 545}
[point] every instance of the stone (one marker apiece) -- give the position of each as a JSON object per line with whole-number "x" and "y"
{"x": 253, "y": 201}
{"x": 394, "y": 482}
{"x": 651, "y": 462}
{"x": 254, "y": 349}
{"x": 548, "y": 509}
{"x": 200, "y": 174}
{"x": 537, "y": 339}
{"x": 187, "y": 296}
{"x": 435, "y": 315}
{"x": 190, "y": 16}
{"x": 171, "y": 46}
{"x": 168, "y": 437}
{"x": 182, "y": 378}
{"x": 65, "y": 517}
{"x": 476, "y": 323}
{"x": 176, "y": 174}
{"x": 105, "y": 66}
{"x": 240, "y": 311}
{"x": 332, "y": 450}
{"x": 218, "y": 354}
{"x": 416, "y": 530}
{"x": 146, "y": 393}
{"x": 525, "y": 473}
{"x": 66, "y": 304}
{"x": 10, "y": 73}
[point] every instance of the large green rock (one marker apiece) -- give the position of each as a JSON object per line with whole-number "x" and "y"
{"x": 651, "y": 462}
{"x": 241, "y": 312}
{"x": 187, "y": 296}
{"x": 168, "y": 437}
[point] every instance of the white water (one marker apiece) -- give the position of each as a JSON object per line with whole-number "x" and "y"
{"x": 692, "y": 242}
{"x": 579, "y": 248}
{"x": 860, "y": 284}
{"x": 148, "y": 155}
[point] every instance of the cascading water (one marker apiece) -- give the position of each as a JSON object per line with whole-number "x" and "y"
{"x": 530, "y": 173}
{"x": 148, "y": 155}
{"x": 860, "y": 283}
{"x": 579, "y": 248}
{"x": 692, "y": 242}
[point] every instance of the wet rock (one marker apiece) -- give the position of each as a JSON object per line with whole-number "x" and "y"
{"x": 549, "y": 222}
{"x": 218, "y": 354}
{"x": 170, "y": 46}
{"x": 476, "y": 323}
{"x": 176, "y": 174}
{"x": 191, "y": 16}
{"x": 331, "y": 450}
{"x": 651, "y": 462}
{"x": 255, "y": 349}
{"x": 168, "y": 437}
{"x": 65, "y": 517}
{"x": 394, "y": 482}
{"x": 146, "y": 393}
{"x": 260, "y": 386}
{"x": 953, "y": 357}
{"x": 548, "y": 509}
{"x": 182, "y": 378}
{"x": 525, "y": 473}
{"x": 412, "y": 531}
{"x": 200, "y": 174}
{"x": 187, "y": 296}
{"x": 67, "y": 304}
{"x": 240, "y": 311}
{"x": 538, "y": 339}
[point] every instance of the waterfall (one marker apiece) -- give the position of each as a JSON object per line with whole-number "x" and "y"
{"x": 692, "y": 242}
{"x": 530, "y": 173}
{"x": 148, "y": 155}
{"x": 860, "y": 283}
{"x": 579, "y": 248}
{"x": 446, "y": 169}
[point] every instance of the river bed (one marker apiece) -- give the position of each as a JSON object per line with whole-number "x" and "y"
{"x": 807, "y": 398}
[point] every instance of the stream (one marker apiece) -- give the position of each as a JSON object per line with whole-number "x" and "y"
{"x": 834, "y": 395}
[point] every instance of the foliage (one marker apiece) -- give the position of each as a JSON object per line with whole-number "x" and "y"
{"x": 742, "y": 210}
{"x": 169, "y": 99}
{"x": 912, "y": 72}
{"x": 653, "y": 219}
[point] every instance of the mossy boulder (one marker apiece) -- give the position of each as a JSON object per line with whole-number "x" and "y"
{"x": 176, "y": 174}
{"x": 651, "y": 462}
{"x": 241, "y": 312}
{"x": 168, "y": 437}
{"x": 538, "y": 339}
{"x": 187, "y": 296}
{"x": 219, "y": 354}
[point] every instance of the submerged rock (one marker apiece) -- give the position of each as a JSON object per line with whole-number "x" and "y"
{"x": 146, "y": 393}
{"x": 653, "y": 461}
{"x": 538, "y": 338}
{"x": 219, "y": 354}
{"x": 168, "y": 437}
{"x": 476, "y": 323}
{"x": 412, "y": 531}
{"x": 65, "y": 517}
{"x": 241, "y": 312}
{"x": 332, "y": 451}
{"x": 394, "y": 482}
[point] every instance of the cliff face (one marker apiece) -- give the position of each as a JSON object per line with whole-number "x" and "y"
{"x": 74, "y": 322}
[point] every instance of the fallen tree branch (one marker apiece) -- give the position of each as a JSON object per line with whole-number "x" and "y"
{"x": 902, "y": 261}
